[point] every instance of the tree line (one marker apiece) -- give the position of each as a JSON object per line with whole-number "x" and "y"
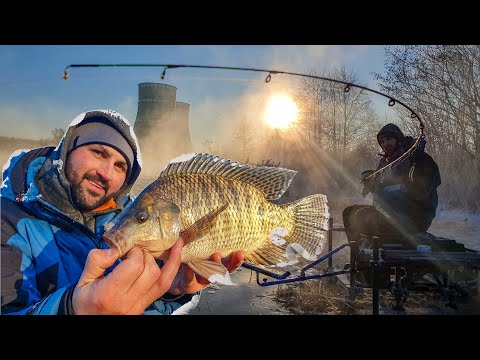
{"x": 9, "y": 144}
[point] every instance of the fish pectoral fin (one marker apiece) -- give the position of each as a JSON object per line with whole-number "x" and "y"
{"x": 271, "y": 251}
{"x": 211, "y": 270}
{"x": 201, "y": 226}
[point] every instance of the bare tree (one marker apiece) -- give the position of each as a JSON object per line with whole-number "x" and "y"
{"x": 311, "y": 99}
{"x": 442, "y": 83}
{"x": 209, "y": 146}
{"x": 243, "y": 139}
{"x": 57, "y": 134}
{"x": 335, "y": 117}
{"x": 337, "y": 120}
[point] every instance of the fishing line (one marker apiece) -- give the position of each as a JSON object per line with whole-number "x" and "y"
{"x": 347, "y": 87}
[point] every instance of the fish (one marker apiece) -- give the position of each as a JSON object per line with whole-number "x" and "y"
{"x": 220, "y": 205}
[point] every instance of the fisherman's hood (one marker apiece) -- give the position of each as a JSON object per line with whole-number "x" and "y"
{"x": 51, "y": 180}
{"x": 407, "y": 143}
{"x": 391, "y": 130}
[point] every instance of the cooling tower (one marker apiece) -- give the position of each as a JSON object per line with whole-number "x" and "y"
{"x": 161, "y": 126}
{"x": 184, "y": 141}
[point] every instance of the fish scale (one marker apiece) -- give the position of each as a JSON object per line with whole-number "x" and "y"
{"x": 237, "y": 227}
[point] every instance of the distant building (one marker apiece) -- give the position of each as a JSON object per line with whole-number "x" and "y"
{"x": 161, "y": 126}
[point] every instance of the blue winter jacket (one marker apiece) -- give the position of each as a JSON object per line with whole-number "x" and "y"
{"x": 45, "y": 240}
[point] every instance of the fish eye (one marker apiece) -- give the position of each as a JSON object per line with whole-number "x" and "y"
{"x": 141, "y": 217}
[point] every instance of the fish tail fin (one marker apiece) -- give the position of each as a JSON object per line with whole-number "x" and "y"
{"x": 310, "y": 217}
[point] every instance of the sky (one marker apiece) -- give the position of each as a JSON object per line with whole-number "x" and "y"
{"x": 34, "y": 98}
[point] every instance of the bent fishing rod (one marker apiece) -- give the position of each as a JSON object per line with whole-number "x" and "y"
{"x": 347, "y": 86}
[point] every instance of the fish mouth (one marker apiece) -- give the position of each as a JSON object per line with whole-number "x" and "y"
{"x": 108, "y": 240}
{"x": 111, "y": 243}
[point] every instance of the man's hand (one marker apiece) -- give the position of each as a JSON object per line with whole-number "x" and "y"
{"x": 366, "y": 174}
{"x": 130, "y": 288}
{"x": 187, "y": 282}
{"x": 368, "y": 184}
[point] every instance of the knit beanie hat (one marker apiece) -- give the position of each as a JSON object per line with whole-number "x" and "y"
{"x": 98, "y": 130}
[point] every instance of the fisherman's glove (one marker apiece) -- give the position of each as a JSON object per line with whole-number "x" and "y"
{"x": 368, "y": 185}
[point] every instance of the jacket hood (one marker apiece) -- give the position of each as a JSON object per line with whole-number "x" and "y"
{"x": 51, "y": 180}
{"x": 392, "y": 130}
{"x": 120, "y": 123}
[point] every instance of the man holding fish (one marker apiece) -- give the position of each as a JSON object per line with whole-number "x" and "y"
{"x": 57, "y": 203}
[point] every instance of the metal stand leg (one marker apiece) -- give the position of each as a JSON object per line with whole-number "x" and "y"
{"x": 330, "y": 243}
{"x": 374, "y": 268}
{"x": 353, "y": 270}
{"x": 399, "y": 291}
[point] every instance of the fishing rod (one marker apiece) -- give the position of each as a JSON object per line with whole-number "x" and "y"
{"x": 348, "y": 85}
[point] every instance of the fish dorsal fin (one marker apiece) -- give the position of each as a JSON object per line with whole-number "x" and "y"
{"x": 271, "y": 181}
{"x": 201, "y": 226}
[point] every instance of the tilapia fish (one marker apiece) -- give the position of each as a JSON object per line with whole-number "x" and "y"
{"x": 218, "y": 205}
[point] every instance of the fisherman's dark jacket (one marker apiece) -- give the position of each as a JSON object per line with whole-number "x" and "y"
{"x": 45, "y": 240}
{"x": 409, "y": 190}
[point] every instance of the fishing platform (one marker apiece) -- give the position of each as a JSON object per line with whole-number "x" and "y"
{"x": 394, "y": 265}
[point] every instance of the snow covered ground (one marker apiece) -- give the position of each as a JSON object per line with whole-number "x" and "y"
{"x": 458, "y": 225}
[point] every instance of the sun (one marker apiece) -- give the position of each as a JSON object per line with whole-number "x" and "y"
{"x": 281, "y": 111}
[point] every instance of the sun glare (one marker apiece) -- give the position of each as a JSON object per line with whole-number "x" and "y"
{"x": 281, "y": 111}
